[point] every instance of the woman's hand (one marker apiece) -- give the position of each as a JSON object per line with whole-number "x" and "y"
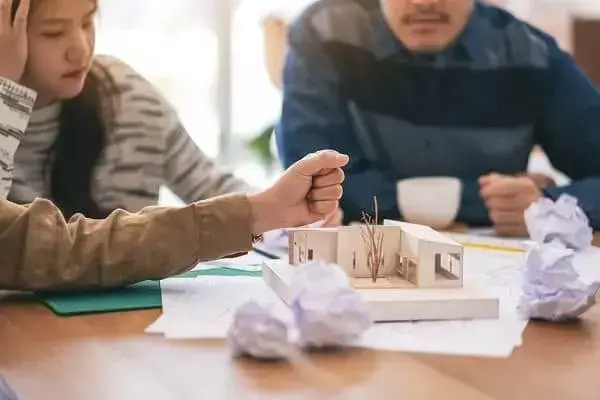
{"x": 307, "y": 192}
{"x": 13, "y": 39}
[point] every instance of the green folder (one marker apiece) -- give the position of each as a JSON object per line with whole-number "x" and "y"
{"x": 139, "y": 296}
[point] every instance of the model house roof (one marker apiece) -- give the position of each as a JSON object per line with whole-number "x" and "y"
{"x": 425, "y": 232}
{"x": 418, "y": 231}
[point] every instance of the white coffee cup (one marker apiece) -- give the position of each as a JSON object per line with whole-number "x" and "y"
{"x": 432, "y": 201}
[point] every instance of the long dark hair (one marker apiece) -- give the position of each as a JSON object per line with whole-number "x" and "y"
{"x": 78, "y": 147}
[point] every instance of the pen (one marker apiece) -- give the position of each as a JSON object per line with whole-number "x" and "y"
{"x": 265, "y": 253}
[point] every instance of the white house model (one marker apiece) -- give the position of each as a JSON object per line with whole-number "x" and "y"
{"x": 393, "y": 255}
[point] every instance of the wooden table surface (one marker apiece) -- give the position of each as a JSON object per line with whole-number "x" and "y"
{"x": 108, "y": 357}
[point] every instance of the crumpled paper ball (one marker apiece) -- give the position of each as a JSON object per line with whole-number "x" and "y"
{"x": 259, "y": 331}
{"x": 327, "y": 310}
{"x": 552, "y": 288}
{"x": 547, "y": 220}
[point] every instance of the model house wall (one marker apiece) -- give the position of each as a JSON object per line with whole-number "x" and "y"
{"x": 420, "y": 255}
{"x": 440, "y": 265}
{"x": 313, "y": 244}
{"x": 408, "y": 259}
{"x": 352, "y": 251}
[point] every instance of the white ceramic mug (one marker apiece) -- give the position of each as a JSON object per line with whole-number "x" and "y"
{"x": 432, "y": 201}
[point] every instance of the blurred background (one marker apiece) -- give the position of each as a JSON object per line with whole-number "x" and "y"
{"x": 219, "y": 63}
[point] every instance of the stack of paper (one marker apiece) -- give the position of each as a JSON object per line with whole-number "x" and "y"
{"x": 203, "y": 308}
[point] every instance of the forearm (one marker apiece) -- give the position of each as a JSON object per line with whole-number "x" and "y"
{"x": 587, "y": 192}
{"x": 41, "y": 251}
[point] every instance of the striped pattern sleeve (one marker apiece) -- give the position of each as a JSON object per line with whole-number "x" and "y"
{"x": 16, "y": 106}
{"x": 154, "y": 148}
{"x": 191, "y": 174}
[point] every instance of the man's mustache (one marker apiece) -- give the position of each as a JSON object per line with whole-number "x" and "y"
{"x": 431, "y": 16}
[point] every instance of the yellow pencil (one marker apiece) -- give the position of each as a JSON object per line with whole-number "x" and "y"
{"x": 492, "y": 247}
{"x": 474, "y": 242}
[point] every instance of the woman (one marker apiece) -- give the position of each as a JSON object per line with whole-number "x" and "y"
{"x": 40, "y": 250}
{"x": 101, "y": 137}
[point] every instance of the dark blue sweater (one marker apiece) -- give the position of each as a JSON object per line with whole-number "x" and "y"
{"x": 479, "y": 106}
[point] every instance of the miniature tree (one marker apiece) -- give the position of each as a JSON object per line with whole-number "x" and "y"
{"x": 373, "y": 241}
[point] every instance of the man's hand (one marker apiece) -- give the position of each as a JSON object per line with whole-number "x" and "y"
{"x": 541, "y": 180}
{"x": 307, "y": 192}
{"x": 507, "y": 198}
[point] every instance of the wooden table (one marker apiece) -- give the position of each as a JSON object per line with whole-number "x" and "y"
{"x": 108, "y": 357}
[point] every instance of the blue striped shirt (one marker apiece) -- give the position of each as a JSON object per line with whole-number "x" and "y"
{"x": 477, "y": 107}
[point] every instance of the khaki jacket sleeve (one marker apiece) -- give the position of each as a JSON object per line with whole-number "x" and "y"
{"x": 39, "y": 250}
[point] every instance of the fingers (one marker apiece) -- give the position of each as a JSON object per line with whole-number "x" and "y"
{"x": 502, "y": 203}
{"x": 314, "y": 163}
{"x": 334, "y": 219}
{"x": 506, "y": 217}
{"x": 332, "y": 177}
{"x": 507, "y": 203}
{"x": 507, "y": 187}
{"x": 490, "y": 178}
{"x": 500, "y": 187}
{"x": 20, "y": 23}
{"x": 5, "y": 23}
{"x": 323, "y": 207}
{"x": 326, "y": 193}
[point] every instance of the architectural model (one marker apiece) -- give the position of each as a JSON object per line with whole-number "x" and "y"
{"x": 397, "y": 255}
{"x": 415, "y": 270}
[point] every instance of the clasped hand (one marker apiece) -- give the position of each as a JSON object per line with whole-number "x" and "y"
{"x": 507, "y": 198}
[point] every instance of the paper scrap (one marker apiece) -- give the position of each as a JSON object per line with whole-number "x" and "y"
{"x": 258, "y": 330}
{"x": 552, "y": 287}
{"x": 562, "y": 219}
{"x": 327, "y": 310}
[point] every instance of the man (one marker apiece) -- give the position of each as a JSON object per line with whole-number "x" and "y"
{"x": 439, "y": 87}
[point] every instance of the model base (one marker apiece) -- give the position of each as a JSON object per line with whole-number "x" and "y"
{"x": 389, "y": 300}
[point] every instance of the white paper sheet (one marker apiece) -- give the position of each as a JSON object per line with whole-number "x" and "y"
{"x": 202, "y": 307}
{"x": 482, "y": 337}
{"x": 498, "y": 271}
